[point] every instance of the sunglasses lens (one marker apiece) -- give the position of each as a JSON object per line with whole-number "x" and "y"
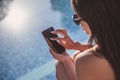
{"x": 75, "y": 16}
{"x": 76, "y": 19}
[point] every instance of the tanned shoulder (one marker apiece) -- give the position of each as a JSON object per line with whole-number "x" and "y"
{"x": 91, "y": 67}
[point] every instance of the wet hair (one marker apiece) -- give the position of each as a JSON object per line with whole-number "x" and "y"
{"x": 103, "y": 17}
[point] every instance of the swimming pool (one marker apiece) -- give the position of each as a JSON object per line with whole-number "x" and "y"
{"x": 24, "y": 54}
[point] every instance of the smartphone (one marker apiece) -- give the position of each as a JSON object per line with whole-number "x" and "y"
{"x": 53, "y": 44}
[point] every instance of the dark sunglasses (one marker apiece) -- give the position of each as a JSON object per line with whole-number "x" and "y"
{"x": 76, "y": 19}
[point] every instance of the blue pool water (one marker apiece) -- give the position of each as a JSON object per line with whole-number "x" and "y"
{"x": 24, "y": 55}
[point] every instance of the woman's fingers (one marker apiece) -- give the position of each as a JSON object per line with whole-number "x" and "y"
{"x": 51, "y": 51}
{"x": 60, "y": 31}
{"x": 60, "y": 40}
{"x": 60, "y": 57}
{"x": 54, "y": 39}
{"x": 55, "y": 55}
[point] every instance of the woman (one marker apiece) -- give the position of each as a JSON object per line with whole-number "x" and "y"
{"x": 101, "y": 20}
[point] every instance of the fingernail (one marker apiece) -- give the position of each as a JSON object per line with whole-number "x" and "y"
{"x": 52, "y": 31}
{"x": 51, "y": 38}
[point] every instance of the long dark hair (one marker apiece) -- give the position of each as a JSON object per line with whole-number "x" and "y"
{"x": 103, "y": 17}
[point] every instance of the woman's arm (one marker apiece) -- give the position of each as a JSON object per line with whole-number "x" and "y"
{"x": 70, "y": 69}
{"x": 67, "y": 62}
{"x": 82, "y": 47}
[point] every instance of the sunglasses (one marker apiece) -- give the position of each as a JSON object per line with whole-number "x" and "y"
{"x": 76, "y": 19}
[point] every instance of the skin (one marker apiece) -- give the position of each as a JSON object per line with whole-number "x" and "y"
{"x": 85, "y": 27}
{"x": 83, "y": 65}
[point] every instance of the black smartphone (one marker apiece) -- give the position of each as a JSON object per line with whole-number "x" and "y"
{"x": 53, "y": 44}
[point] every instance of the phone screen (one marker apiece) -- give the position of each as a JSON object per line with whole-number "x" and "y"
{"x": 53, "y": 44}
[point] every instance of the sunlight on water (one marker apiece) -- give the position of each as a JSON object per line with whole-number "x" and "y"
{"x": 27, "y": 56}
{"x": 17, "y": 18}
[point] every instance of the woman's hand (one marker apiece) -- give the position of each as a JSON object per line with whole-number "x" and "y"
{"x": 67, "y": 63}
{"x": 60, "y": 57}
{"x": 65, "y": 41}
